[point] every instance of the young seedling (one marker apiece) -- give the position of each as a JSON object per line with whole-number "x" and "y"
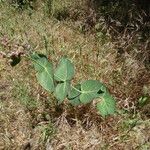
{"x": 58, "y": 81}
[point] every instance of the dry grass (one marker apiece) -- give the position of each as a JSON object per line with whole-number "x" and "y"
{"x": 30, "y": 119}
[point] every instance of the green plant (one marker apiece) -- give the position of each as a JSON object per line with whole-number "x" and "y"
{"x": 143, "y": 101}
{"x": 58, "y": 81}
{"x": 48, "y": 131}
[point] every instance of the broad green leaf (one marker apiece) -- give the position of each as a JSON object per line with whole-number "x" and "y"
{"x": 64, "y": 71}
{"x": 75, "y": 91}
{"x": 74, "y": 94}
{"x": 75, "y": 101}
{"x": 39, "y": 61}
{"x": 87, "y": 98}
{"x": 107, "y": 105}
{"x": 61, "y": 90}
{"x": 90, "y": 89}
{"x": 44, "y": 71}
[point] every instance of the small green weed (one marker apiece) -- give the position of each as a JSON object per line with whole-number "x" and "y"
{"x": 48, "y": 131}
{"x": 58, "y": 81}
{"x": 143, "y": 101}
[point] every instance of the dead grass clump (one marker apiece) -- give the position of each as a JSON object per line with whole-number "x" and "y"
{"x": 15, "y": 125}
{"x": 109, "y": 134}
{"x": 75, "y": 137}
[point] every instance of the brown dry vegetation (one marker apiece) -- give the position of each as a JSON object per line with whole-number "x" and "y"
{"x": 29, "y": 116}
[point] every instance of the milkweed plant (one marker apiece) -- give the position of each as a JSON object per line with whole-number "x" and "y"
{"x": 58, "y": 81}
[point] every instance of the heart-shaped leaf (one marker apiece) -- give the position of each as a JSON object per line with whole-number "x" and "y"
{"x": 64, "y": 71}
{"x": 107, "y": 105}
{"x": 74, "y": 95}
{"x": 61, "y": 90}
{"x": 44, "y": 71}
{"x": 90, "y": 90}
